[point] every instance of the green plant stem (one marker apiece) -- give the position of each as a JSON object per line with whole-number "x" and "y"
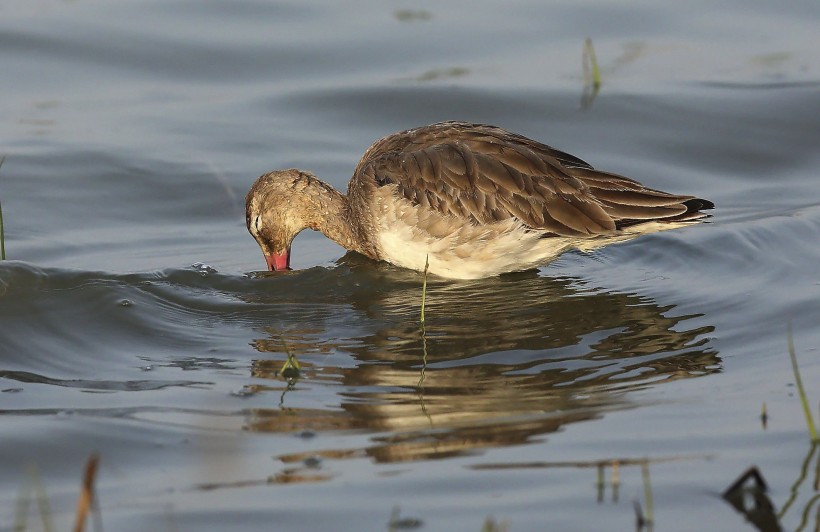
{"x": 795, "y": 488}
{"x": 804, "y": 518}
{"x": 2, "y": 232}
{"x": 591, "y": 63}
{"x": 2, "y": 237}
{"x": 290, "y": 370}
{"x": 424, "y": 288}
{"x": 800, "y": 390}
{"x": 421, "y": 326}
{"x": 423, "y": 360}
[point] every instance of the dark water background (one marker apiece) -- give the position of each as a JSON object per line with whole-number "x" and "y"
{"x": 129, "y": 324}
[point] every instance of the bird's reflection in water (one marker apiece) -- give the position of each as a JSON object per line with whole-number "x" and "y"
{"x": 500, "y": 361}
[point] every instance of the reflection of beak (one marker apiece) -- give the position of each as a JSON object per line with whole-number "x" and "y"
{"x": 278, "y": 262}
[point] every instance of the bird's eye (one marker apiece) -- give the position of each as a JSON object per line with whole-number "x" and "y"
{"x": 256, "y": 223}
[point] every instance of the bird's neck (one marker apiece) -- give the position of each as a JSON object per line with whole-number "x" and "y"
{"x": 333, "y": 217}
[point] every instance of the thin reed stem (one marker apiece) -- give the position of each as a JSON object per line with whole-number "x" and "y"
{"x": 800, "y": 390}
{"x": 2, "y": 232}
{"x": 87, "y": 493}
{"x": 424, "y": 288}
{"x": 592, "y": 74}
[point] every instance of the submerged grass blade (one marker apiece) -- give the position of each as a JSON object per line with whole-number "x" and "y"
{"x": 424, "y": 288}
{"x": 2, "y": 234}
{"x": 804, "y": 518}
{"x": 423, "y": 360}
{"x": 794, "y": 491}
{"x": 421, "y": 325}
{"x": 801, "y": 391}
{"x": 291, "y": 369}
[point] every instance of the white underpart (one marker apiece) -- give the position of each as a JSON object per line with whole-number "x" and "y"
{"x": 408, "y": 235}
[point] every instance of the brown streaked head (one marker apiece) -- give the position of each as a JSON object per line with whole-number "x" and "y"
{"x": 273, "y": 216}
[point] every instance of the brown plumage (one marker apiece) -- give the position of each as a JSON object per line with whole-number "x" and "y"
{"x": 477, "y": 199}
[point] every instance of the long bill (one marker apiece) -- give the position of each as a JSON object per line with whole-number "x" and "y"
{"x": 278, "y": 261}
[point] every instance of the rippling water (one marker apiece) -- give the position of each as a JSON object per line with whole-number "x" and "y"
{"x": 133, "y": 323}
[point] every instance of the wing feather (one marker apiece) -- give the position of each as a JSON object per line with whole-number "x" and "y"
{"x": 486, "y": 174}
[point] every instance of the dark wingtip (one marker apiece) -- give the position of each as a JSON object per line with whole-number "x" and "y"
{"x": 698, "y": 204}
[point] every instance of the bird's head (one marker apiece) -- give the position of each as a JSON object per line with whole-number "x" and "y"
{"x": 273, "y": 214}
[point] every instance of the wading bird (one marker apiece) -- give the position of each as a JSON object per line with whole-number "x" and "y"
{"x": 474, "y": 200}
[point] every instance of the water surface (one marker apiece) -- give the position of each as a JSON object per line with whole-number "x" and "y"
{"x": 133, "y": 322}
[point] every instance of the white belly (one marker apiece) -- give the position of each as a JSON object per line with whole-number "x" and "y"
{"x": 408, "y": 236}
{"x": 456, "y": 249}
{"x": 471, "y": 259}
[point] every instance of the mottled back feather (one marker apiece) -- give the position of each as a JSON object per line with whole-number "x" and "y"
{"x": 486, "y": 174}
